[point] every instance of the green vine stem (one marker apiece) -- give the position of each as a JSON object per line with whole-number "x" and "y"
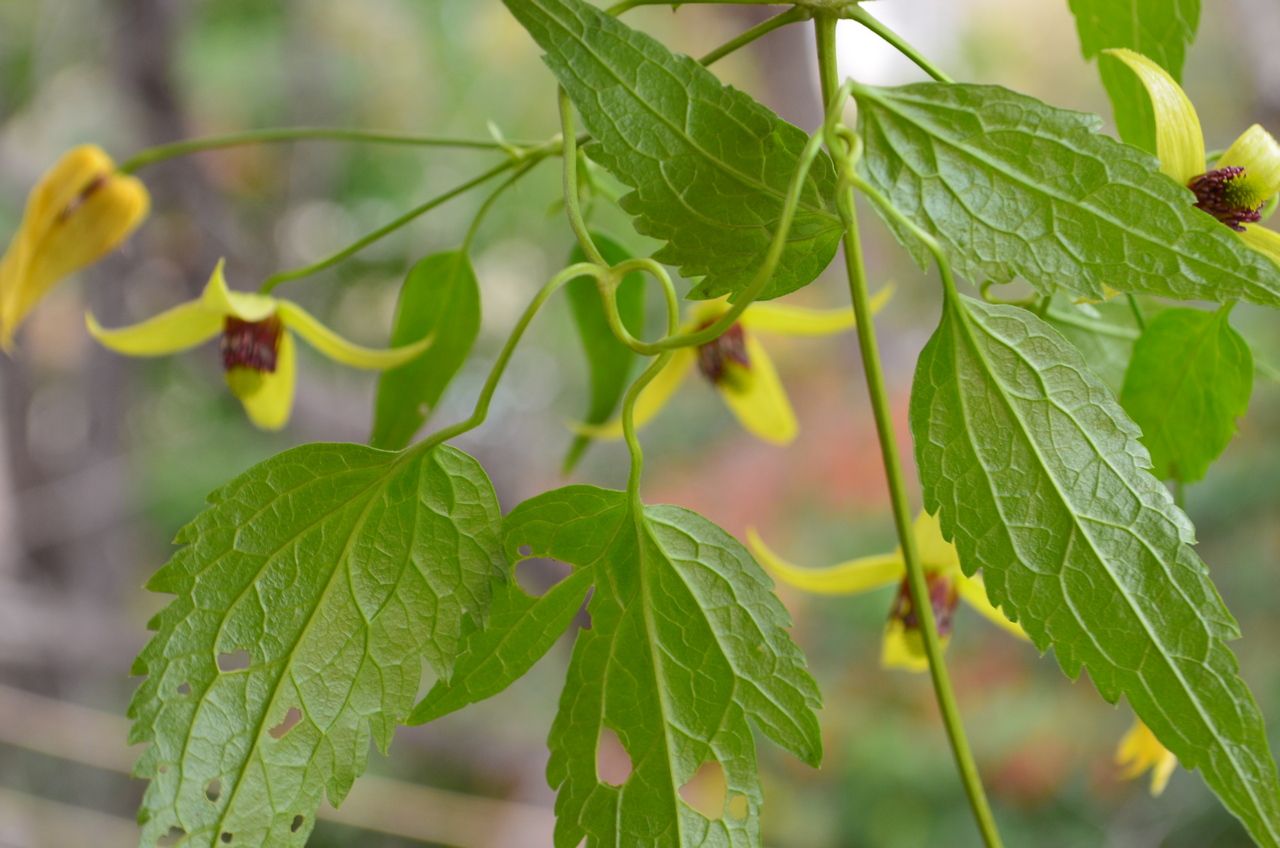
{"x": 921, "y": 602}
{"x": 793, "y": 15}
{"x": 862, "y": 16}
{"x": 572, "y": 208}
{"x": 481, "y": 411}
{"x": 489, "y": 201}
{"x": 162, "y": 152}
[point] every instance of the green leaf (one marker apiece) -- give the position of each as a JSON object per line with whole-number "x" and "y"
{"x": 687, "y": 643}
{"x": 1039, "y": 479}
{"x": 1104, "y": 334}
{"x": 520, "y": 631}
{"x": 710, "y": 167}
{"x": 1011, "y": 186}
{"x": 1190, "y": 378}
{"x": 609, "y": 360}
{"x": 338, "y": 568}
{"x": 1161, "y": 30}
{"x": 439, "y": 296}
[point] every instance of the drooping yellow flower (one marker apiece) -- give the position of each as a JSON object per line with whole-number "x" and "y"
{"x": 903, "y": 644}
{"x": 1241, "y": 182}
{"x": 257, "y": 347}
{"x": 1139, "y": 751}
{"x": 78, "y": 212}
{"x": 739, "y": 366}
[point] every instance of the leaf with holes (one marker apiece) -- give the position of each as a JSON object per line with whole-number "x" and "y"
{"x": 1190, "y": 379}
{"x": 440, "y": 297}
{"x": 609, "y": 360}
{"x": 1161, "y": 30}
{"x": 1012, "y": 186}
{"x": 337, "y": 568}
{"x": 687, "y": 649}
{"x": 1038, "y": 477}
{"x": 710, "y": 167}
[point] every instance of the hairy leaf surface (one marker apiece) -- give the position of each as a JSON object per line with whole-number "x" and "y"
{"x": 1014, "y": 187}
{"x": 710, "y": 167}
{"x": 687, "y": 643}
{"x": 337, "y": 568}
{"x": 1161, "y": 30}
{"x": 1039, "y": 479}
{"x": 609, "y": 360}
{"x": 439, "y": 296}
{"x": 1190, "y": 379}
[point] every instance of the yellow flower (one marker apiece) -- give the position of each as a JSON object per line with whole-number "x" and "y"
{"x": 738, "y": 366}
{"x": 903, "y": 645}
{"x": 1238, "y": 186}
{"x": 1140, "y": 750}
{"x": 81, "y": 210}
{"x": 257, "y": 346}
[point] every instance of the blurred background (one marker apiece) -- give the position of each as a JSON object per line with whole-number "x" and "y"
{"x": 103, "y": 459}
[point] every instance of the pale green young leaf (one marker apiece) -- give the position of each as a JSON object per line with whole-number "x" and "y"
{"x": 1161, "y": 30}
{"x": 1011, "y": 186}
{"x": 687, "y": 649}
{"x": 1104, "y": 333}
{"x": 608, "y": 360}
{"x": 338, "y": 568}
{"x": 439, "y": 296}
{"x": 710, "y": 167}
{"x": 1190, "y": 379}
{"x": 1038, "y": 477}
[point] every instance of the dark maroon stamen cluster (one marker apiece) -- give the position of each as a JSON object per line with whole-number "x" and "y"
{"x": 943, "y": 595}
{"x": 715, "y": 355}
{"x": 1211, "y": 196}
{"x": 251, "y": 344}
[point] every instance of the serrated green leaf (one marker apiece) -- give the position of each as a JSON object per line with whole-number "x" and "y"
{"x": 521, "y": 629}
{"x": 609, "y": 360}
{"x": 1190, "y": 379}
{"x": 338, "y": 568}
{"x": 1011, "y": 186}
{"x": 439, "y": 296}
{"x": 1038, "y": 477}
{"x": 687, "y": 643}
{"x": 1161, "y": 30}
{"x": 1105, "y": 339}
{"x": 710, "y": 167}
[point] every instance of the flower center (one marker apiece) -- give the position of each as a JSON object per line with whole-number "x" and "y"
{"x": 249, "y": 350}
{"x": 1232, "y": 195}
{"x": 944, "y": 595}
{"x": 720, "y": 359}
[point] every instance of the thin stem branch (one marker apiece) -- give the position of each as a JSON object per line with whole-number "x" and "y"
{"x": 1136, "y": 308}
{"x": 483, "y": 211}
{"x": 793, "y": 15}
{"x": 217, "y": 142}
{"x": 570, "y": 165}
{"x": 862, "y": 16}
{"x": 917, "y": 581}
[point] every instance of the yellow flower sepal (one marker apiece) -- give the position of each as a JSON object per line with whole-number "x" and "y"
{"x": 753, "y": 393}
{"x": 78, "y": 212}
{"x": 267, "y": 396}
{"x": 1139, "y": 751}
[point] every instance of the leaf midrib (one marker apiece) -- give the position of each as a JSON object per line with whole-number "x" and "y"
{"x": 715, "y": 161}
{"x": 1209, "y": 725}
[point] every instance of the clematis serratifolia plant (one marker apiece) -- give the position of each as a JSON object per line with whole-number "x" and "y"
{"x": 739, "y": 366}
{"x": 78, "y": 212}
{"x": 1240, "y": 183}
{"x": 257, "y": 347}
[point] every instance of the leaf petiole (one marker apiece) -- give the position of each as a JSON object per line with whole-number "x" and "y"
{"x": 862, "y": 16}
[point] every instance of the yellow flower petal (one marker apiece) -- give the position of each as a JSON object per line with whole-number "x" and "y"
{"x": 652, "y": 399}
{"x": 269, "y": 407}
{"x": 179, "y": 328}
{"x": 1139, "y": 750}
{"x": 80, "y": 210}
{"x": 246, "y": 306}
{"x": 1179, "y": 139}
{"x": 975, "y": 593}
{"x": 847, "y": 578}
{"x": 936, "y": 553}
{"x": 903, "y": 647}
{"x": 1257, "y": 151}
{"x": 337, "y": 348}
{"x": 797, "y": 321}
{"x": 1262, "y": 240}
{"x": 756, "y": 396}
